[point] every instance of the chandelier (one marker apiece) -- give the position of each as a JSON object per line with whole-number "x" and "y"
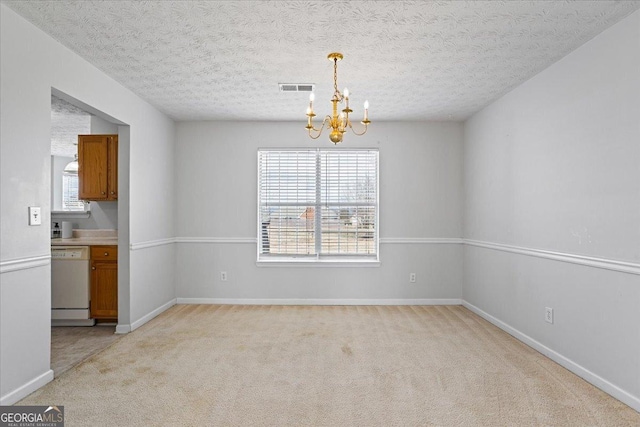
{"x": 337, "y": 122}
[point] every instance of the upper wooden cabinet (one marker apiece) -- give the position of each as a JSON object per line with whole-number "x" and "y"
{"x": 98, "y": 167}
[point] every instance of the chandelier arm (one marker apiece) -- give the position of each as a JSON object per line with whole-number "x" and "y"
{"x": 320, "y": 129}
{"x": 354, "y": 131}
{"x": 315, "y": 137}
{"x": 327, "y": 117}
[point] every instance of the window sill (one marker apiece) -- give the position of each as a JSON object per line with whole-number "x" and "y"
{"x": 313, "y": 262}
{"x": 70, "y": 214}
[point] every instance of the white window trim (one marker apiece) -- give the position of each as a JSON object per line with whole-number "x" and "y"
{"x": 318, "y": 260}
{"x": 325, "y": 263}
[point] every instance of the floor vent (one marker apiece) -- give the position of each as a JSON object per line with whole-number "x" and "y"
{"x": 296, "y": 87}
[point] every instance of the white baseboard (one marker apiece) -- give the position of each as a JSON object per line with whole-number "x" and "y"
{"x": 144, "y": 319}
{"x": 311, "y": 301}
{"x": 28, "y": 388}
{"x": 601, "y": 383}
{"x": 123, "y": 328}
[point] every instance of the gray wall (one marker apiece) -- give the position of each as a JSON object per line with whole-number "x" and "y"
{"x": 104, "y": 215}
{"x": 420, "y": 199}
{"x": 555, "y": 166}
{"x": 27, "y": 82}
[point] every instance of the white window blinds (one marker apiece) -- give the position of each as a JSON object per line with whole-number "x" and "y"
{"x": 70, "y": 200}
{"x": 318, "y": 203}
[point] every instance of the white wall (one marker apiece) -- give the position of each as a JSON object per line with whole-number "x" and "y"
{"x": 32, "y": 64}
{"x": 555, "y": 165}
{"x": 420, "y": 198}
{"x": 99, "y": 126}
{"x": 58, "y": 163}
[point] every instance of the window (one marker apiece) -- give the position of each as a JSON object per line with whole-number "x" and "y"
{"x": 70, "y": 200}
{"x": 318, "y": 204}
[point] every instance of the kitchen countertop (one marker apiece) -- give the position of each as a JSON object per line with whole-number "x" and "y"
{"x": 85, "y": 241}
{"x": 88, "y": 238}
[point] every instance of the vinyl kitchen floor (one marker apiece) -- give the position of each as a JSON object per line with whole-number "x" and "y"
{"x": 72, "y": 345}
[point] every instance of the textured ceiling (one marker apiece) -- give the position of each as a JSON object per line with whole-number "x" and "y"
{"x": 419, "y": 60}
{"x": 67, "y": 122}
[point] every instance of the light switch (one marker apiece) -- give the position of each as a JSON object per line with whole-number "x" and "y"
{"x": 35, "y": 218}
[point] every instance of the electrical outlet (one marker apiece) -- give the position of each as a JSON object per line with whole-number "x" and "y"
{"x": 223, "y": 276}
{"x": 412, "y": 277}
{"x": 548, "y": 315}
{"x": 35, "y": 218}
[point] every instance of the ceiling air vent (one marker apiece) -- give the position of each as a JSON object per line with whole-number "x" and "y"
{"x": 296, "y": 87}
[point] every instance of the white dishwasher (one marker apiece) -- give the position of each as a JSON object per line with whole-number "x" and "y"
{"x": 70, "y": 296}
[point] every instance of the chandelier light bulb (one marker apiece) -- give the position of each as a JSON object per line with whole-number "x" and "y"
{"x": 311, "y": 98}
{"x": 346, "y": 93}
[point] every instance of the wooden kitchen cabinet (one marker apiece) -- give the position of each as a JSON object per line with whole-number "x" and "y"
{"x": 98, "y": 167}
{"x": 104, "y": 282}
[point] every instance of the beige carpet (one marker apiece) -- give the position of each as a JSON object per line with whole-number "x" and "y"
{"x": 332, "y": 366}
{"x": 72, "y": 345}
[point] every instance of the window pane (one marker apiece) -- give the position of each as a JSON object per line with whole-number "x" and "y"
{"x": 349, "y": 176}
{"x": 287, "y": 230}
{"x": 70, "y": 200}
{"x": 287, "y": 177}
{"x": 287, "y": 192}
{"x": 348, "y": 230}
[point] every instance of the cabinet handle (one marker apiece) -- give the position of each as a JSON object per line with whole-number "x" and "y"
{"x": 104, "y": 192}
{"x": 113, "y": 192}
{"x": 106, "y": 254}
{"x": 93, "y": 268}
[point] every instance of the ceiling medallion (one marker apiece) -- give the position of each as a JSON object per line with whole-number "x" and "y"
{"x": 338, "y": 123}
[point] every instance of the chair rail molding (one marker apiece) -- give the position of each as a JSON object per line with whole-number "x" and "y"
{"x": 422, "y": 240}
{"x": 24, "y": 263}
{"x": 151, "y": 244}
{"x": 595, "y": 262}
{"x": 603, "y": 263}
{"x": 216, "y": 240}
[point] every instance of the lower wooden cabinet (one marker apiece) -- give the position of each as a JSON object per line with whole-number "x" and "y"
{"x": 104, "y": 282}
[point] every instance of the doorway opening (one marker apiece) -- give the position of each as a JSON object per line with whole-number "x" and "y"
{"x": 95, "y": 228}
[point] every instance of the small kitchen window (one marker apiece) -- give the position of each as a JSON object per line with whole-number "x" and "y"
{"x": 70, "y": 200}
